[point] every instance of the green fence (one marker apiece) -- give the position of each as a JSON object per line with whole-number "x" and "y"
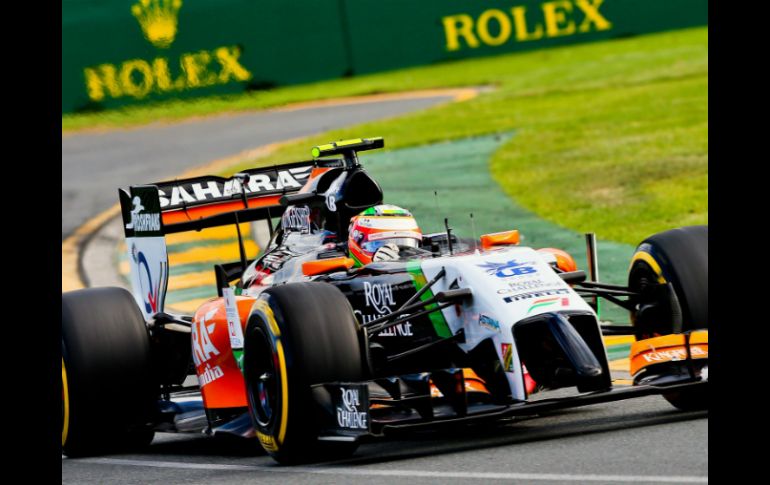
{"x": 119, "y": 52}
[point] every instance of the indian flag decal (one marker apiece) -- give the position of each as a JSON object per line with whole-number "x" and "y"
{"x": 548, "y": 301}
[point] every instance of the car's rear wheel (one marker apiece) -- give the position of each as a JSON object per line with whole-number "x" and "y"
{"x": 298, "y": 335}
{"x": 108, "y": 395}
{"x": 679, "y": 257}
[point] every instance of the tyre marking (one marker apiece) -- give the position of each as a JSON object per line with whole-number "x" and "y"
{"x": 285, "y": 397}
{"x": 647, "y": 258}
{"x": 66, "y": 399}
{"x": 262, "y": 307}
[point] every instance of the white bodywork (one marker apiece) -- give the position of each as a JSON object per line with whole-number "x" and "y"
{"x": 509, "y": 284}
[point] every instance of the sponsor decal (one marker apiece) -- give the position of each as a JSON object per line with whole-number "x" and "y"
{"x": 489, "y": 323}
{"x": 138, "y": 78}
{"x": 535, "y": 294}
{"x": 379, "y": 297}
{"x": 174, "y": 196}
{"x": 150, "y": 290}
{"x": 348, "y": 414}
{"x": 142, "y": 222}
{"x": 674, "y": 354}
{"x": 331, "y": 202}
{"x": 548, "y": 302}
{"x": 511, "y": 268}
{"x": 267, "y": 441}
{"x": 296, "y": 219}
{"x": 234, "y": 330}
{"x": 507, "y": 351}
{"x": 400, "y": 330}
{"x": 528, "y": 285}
{"x": 203, "y": 348}
{"x": 394, "y": 234}
{"x": 209, "y": 375}
{"x": 519, "y": 23}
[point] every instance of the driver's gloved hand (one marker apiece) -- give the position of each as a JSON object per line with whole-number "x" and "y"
{"x": 388, "y": 252}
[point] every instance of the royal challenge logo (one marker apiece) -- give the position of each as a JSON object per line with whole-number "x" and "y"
{"x": 158, "y": 21}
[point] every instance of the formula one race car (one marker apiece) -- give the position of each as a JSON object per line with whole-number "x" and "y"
{"x": 314, "y": 352}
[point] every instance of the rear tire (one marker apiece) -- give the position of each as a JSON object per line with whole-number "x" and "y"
{"x": 298, "y": 335}
{"x": 108, "y": 395}
{"x": 680, "y": 257}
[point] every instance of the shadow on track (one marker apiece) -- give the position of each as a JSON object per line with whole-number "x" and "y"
{"x": 559, "y": 425}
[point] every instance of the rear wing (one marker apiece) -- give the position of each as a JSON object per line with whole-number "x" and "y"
{"x": 152, "y": 211}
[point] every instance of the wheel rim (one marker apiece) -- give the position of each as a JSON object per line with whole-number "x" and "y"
{"x": 641, "y": 277}
{"x": 264, "y": 385}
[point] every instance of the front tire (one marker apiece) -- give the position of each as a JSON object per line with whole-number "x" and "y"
{"x": 107, "y": 392}
{"x": 678, "y": 257}
{"x": 298, "y": 335}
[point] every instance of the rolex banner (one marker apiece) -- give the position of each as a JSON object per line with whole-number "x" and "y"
{"x": 122, "y": 52}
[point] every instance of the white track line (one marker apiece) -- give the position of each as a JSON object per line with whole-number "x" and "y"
{"x": 368, "y": 472}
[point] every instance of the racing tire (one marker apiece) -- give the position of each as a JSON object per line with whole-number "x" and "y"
{"x": 679, "y": 257}
{"x": 108, "y": 396}
{"x": 298, "y": 335}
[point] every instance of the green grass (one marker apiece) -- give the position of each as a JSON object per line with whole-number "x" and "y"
{"x": 611, "y": 137}
{"x": 529, "y": 74}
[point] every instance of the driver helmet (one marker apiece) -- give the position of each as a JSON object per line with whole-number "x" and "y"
{"x": 380, "y": 225}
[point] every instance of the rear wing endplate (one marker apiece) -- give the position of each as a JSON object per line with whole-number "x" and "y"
{"x": 151, "y": 211}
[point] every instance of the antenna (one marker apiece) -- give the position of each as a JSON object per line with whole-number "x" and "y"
{"x": 473, "y": 230}
{"x": 241, "y": 248}
{"x": 448, "y": 234}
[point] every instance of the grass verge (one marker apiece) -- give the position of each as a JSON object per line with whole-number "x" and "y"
{"x": 612, "y": 137}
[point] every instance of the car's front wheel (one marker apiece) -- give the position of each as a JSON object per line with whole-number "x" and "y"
{"x": 674, "y": 261}
{"x": 298, "y": 335}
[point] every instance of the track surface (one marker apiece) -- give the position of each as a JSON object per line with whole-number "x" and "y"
{"x": 94, "y": 164}
{"x": 641, "y": 440}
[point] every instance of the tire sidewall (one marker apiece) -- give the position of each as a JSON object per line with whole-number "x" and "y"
{"x": 679, "y": 257}
{"x": 291, "y": 434}
{"x": 106, "y": 353}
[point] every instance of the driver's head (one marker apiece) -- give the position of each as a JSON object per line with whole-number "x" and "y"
{"x": 379, "y": 226}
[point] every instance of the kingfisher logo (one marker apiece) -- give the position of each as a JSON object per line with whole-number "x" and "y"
{"x": 143, "y": 222}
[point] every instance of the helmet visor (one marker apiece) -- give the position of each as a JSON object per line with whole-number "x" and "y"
{"x": 372, "y": 246}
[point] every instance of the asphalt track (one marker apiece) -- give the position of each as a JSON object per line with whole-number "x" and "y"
{"x": 636, "y": 441}
{"x": 94, "y": 164}
{"x": 640, "y": 440}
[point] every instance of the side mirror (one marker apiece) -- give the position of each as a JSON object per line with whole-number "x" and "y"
{"x": 504, "y": 238}
{"x": 323, "y": 266}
